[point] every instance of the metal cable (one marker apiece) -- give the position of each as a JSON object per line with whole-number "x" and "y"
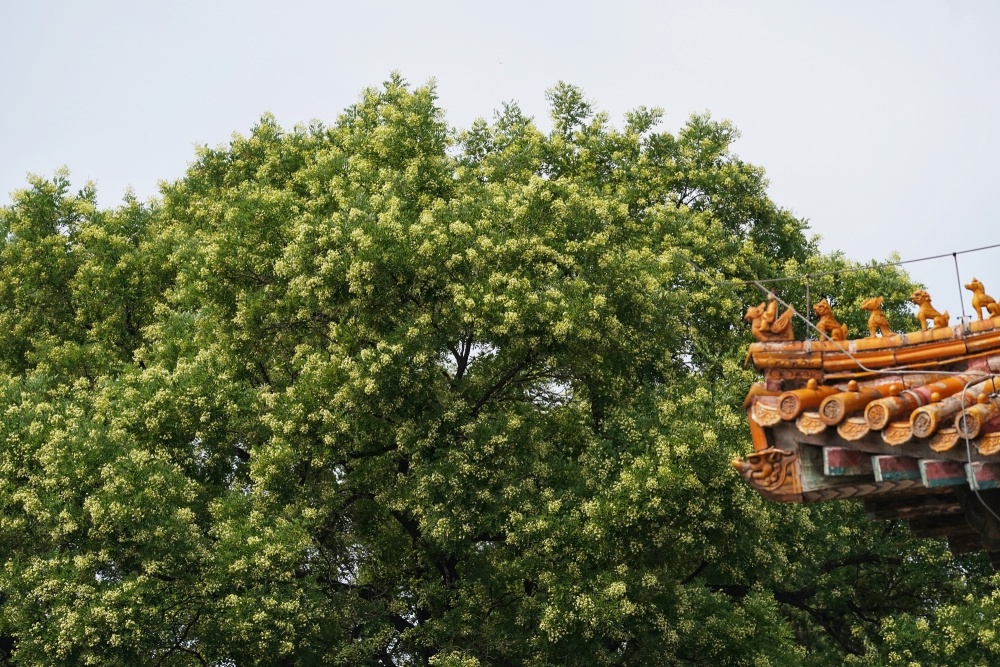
{"x": 856, "y": 269}
{"x": 958, "y": 279}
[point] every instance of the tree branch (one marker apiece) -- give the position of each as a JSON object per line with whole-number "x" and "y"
{"x": 698, "y": 570}
{"x": 409, "y": 525}
{"x": 501, "y": 383}
{"x": 860, "y": 559}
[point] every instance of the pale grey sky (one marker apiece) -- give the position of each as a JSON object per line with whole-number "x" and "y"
{"x": 877, "y": 121}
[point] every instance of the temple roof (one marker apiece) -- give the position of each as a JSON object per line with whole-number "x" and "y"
{"x": 919, "y": 349}
{"x": 909, "y": 422}
{"x": 941, "y": 409}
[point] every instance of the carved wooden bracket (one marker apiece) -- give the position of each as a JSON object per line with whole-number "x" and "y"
{"x": 774, "y": 473}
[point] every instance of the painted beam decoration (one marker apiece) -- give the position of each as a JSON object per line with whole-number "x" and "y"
{"x": 907, "y": 422}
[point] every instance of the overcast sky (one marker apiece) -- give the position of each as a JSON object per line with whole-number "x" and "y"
{"x": 876, "y": 121}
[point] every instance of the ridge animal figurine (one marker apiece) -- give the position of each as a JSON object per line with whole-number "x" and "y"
{"x": 980, "y": 300}
{"x": 827, "y": 324}
{"x": 877, "y": 321}
{"x": 926, "y": 312}
{"x": 765, "y": 323}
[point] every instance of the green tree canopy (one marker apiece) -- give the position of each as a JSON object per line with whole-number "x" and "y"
{"x": 383, "y": 393}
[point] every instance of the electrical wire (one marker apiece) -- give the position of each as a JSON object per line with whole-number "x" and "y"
{"x": 958, "y": 280}
{"x": 853, "y": 269}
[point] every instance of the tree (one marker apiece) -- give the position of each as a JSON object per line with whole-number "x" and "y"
{"x": 381, "y": 393}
